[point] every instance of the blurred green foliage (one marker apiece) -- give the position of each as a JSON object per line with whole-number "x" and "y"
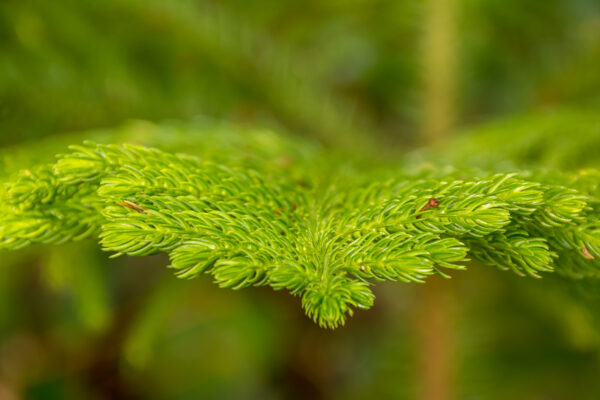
{"x": 74, "y": 325}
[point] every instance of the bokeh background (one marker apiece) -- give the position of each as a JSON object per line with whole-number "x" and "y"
{"x": 397, "y": 74}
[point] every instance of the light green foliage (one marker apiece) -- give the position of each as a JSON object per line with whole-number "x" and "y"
{"x": 561, "y": 138}
{"x": 289, "y": 218}
{"x": 164, "y": 60}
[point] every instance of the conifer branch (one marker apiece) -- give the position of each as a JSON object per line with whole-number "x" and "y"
{"x": 326, "y": 240}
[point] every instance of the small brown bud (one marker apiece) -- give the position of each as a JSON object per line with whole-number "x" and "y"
{"x": 431, "y": 203}
{"x": 132, "y": 206}
{"x": 586, "y": 253}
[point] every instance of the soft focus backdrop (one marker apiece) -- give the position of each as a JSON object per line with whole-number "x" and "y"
{"x": 76, "y": 325}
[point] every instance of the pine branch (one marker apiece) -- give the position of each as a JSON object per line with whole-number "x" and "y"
{"x": 326, "y": 238}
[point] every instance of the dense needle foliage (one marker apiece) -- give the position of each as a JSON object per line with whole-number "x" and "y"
{"x": 325, "y": 236}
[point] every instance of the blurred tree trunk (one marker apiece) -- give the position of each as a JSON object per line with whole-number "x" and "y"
{"x": 435, "y": 314}
{"x": 438, "y": 63}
